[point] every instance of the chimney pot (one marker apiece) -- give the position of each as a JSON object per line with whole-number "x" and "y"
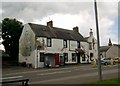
{"x": 50, "y": 23}
{"x": 76, "y": 29}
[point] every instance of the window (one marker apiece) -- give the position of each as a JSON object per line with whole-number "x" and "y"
{"x": 93, "y": 43}
{"x": 83, "y": 57}
{"x": 49, "y": 42}
{"x": 91, "y": 56}
{"x": 73, "y": 57}
{"x": 78, "y": 44}
{"x": 90, "y": 46}
{"x": 42, "y": 57}
{"x": 66, "y": 57}
{"x": 65, "y": 43}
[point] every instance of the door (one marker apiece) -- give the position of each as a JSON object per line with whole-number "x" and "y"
{"x": 78, "y": 57}
{"x": 57, "y": 59}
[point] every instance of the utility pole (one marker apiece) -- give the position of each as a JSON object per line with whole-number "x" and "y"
{"x": 98, "y": 45}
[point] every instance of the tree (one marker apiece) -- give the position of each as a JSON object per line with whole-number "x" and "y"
{"x": 11, "y": 31}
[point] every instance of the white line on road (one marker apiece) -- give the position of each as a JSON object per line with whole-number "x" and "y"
{"x": 12, "y": 77}
{"x": 54, "y": 73}
{"x": 39, "y": 71}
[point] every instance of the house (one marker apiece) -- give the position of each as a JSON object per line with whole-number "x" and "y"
{"x": 90, "y": 48}
{"x": 110, "y": 51}
{"x": 2, "y": 48}
{"x": 43, "y": 46}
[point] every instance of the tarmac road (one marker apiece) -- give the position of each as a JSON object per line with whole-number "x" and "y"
{"x": 77, "y": 74}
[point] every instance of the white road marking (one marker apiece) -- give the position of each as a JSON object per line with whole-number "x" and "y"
{"x": 54, "y": 73}
{"x": 39, "y": 71}
{"x": 77, "y": 69}
{"x": 12, "y": 77}
{"x": 90, "y": 69}
{"x": 26, "y": 72}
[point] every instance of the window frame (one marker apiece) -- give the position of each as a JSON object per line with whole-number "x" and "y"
{"x": 90, "y": 46}
{"x": 65, "y": 43}
{"x": 78, "y": 44}
{"x": 74, "y": 56}
{"x": 42, "y": 57}
{"x": 49, "y": 42}
{"x": 66, "y": 58}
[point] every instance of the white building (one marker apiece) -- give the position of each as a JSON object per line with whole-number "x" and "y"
{"x": 43, "y": 46}
{"x": 90, "y": 48}
{"x": 110, "y": 51}
{"x": 2, "y": 48}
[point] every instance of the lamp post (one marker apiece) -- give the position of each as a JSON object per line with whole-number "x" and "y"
{"x": 97, "y": 29}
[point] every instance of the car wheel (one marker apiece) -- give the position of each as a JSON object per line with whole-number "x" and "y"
{"x": 113, "y": 63}
{"x": 106, "y": 63}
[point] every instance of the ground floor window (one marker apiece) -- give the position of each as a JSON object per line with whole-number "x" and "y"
{"x": 91, "y": 56}
{"x": 83, "y": 57}
{"x": 66, "y": 57}
{"x": 74, "y": 57}
{"x": 42, "y": 57}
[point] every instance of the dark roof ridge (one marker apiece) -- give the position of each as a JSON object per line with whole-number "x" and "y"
{"x": 52, "y": 27}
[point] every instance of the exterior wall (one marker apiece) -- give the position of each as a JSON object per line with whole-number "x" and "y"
{"x": 57, "y": 48}
{"x": 113, "y": 52}
{"x": 89, "y": 51}
{"x": 85, "y": 47}
{"x": 93, "y": 50}
{"x": 72, "y": 45}
{"x": 103, "y": 54}
{"x": 27, "y": 46}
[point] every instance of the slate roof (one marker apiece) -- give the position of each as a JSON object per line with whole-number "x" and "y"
{"x": 118, "y": 45}
{"x": 104, "y": 48}
{"x": 55, "y": 32}
{"x": 86, "y": 38}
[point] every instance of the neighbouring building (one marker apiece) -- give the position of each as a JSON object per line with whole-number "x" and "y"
{"x": 2, "y": 48}
{"x": 45, "y": 45}
{"x": 110, "y": 51}
{"x": 90, "y": 48}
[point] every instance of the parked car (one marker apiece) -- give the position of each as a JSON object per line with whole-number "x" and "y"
{"x": 106, "y": 61}
{"x": 116, "y": 60}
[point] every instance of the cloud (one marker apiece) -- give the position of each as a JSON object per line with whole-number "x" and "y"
{"x": 66, "y": 15}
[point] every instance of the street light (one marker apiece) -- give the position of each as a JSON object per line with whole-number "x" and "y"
{"x": 97, "y": 29}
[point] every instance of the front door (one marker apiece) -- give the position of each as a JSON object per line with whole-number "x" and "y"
{"x": 78, "y": 57}
{"x": 57, "y": 59}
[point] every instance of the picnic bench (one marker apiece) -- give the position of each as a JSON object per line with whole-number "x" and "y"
{"x": 23, "y": 81}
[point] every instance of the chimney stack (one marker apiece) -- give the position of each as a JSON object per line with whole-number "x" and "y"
{"x": 91, "y": 33}
{"x": 50, "y": 24}
{"x": 76, "y": 29}
{"x": 110, "y": 43}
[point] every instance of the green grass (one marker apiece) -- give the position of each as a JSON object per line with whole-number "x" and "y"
{"x": 110, "y": 81}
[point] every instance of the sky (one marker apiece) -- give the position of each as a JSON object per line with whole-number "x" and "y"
{"x": 67, "y": 14}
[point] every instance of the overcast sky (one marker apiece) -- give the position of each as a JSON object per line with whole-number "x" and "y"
{"x": 68, "y": 15}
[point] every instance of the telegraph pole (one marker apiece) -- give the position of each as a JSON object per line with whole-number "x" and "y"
{"x": 97, "y": 29}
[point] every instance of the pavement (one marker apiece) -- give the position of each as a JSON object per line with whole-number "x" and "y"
{"x": 15, "y": 69}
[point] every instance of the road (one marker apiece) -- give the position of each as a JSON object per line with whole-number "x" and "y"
{"x": 76, "y": 74}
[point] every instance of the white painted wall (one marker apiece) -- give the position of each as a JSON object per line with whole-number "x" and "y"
{"x": 113, "y": 52}
{"x": 27, "y": 40}
{"x": 57, "y": 47}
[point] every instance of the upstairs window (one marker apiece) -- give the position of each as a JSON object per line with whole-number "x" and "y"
{"x": 49, "y": 42}
{"x": 90, "y": 46}
{"x": 65, "y": 43}
{"x": 78, "y": 44}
